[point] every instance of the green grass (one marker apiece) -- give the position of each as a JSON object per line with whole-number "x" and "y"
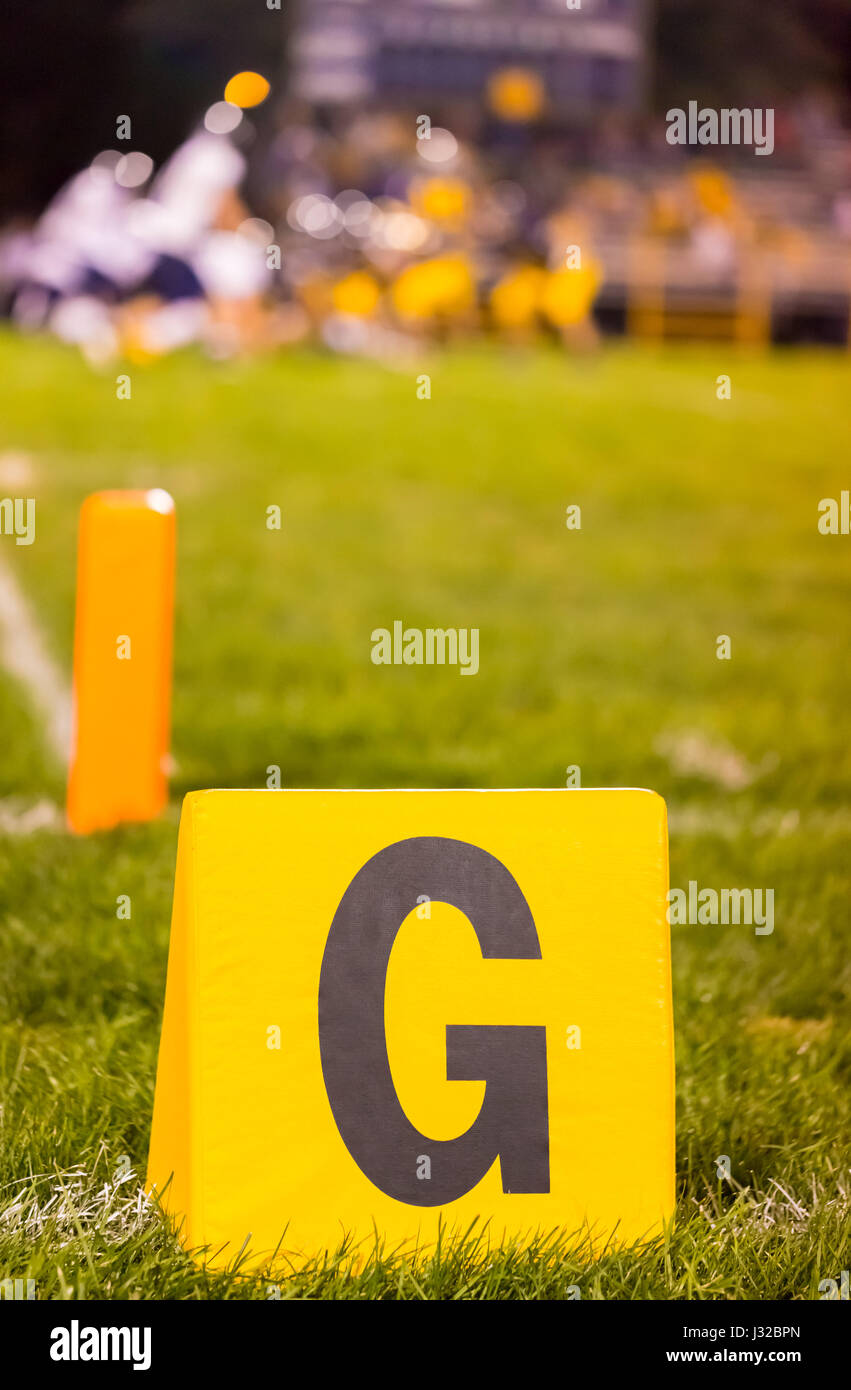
{"x": 597, "y": 649}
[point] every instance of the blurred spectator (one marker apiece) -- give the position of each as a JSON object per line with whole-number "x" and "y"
{"x": 384, "y": 230}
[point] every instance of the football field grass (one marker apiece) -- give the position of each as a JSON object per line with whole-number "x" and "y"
{"x": 597, "y": 651}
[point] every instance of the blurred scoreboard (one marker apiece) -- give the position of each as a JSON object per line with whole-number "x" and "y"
{"x": 588, "y": 59}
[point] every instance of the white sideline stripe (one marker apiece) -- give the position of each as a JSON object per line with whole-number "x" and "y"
{"x": 24, "y": 655}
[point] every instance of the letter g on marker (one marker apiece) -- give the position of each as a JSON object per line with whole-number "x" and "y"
{"x": 513, "y": 1123}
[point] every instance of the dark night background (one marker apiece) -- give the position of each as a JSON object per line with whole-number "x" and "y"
{"x": 67, "y": 71}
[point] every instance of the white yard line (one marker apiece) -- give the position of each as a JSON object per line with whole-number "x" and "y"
{"x": 24, "y": 655}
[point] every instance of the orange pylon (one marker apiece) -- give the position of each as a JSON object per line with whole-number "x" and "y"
{"x": 122, "y": 659}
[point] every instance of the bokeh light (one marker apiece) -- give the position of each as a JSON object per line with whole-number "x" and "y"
{"x": 107, "y": 161}
{"x": 223, "y": 117}
{"x": 247, "y": 89}
{"x": 257, "y": 229}
{"x": 516, "y": 95}
{"x": 133, "y": 169}
{"x": 439, "y": 148}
